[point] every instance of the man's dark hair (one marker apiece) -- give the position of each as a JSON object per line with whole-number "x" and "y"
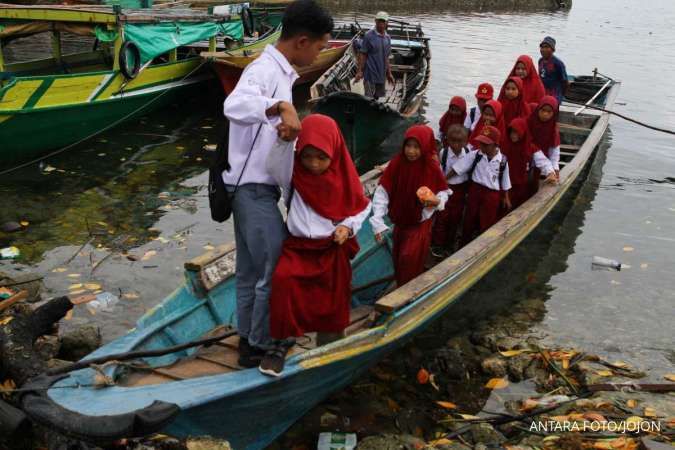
{"x": 305, "y": 17}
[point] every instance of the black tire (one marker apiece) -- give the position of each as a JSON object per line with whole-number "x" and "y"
{"x": 248, "y": 21}
{"x": 130, "y": 72}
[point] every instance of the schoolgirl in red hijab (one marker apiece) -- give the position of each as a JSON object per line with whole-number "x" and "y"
{"x": 409, "y": 207}
{"x": 543, "y": 126}
{"x": 513, "y": 103}
{"x": 492, "y": 115}
{"x": 518, "y": 148}
{"x": 533, "y": 88}
{"x": 456, "y": 114}
{"x": 311, "y": 285}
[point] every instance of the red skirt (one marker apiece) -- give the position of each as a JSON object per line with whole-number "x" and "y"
{"x": 482, "y": 210}
{"x": 519, "y": 194}
{"x": 447, "y": 221}
{"x": 311, "y": 287}
{"x": 411, "y": 249}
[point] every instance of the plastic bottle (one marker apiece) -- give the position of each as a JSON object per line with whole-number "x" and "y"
{"x": 103, "y": 302}
{"x": 600, "y": 263}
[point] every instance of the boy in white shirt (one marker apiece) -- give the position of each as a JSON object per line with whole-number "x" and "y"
{"x": 484, "y": 93}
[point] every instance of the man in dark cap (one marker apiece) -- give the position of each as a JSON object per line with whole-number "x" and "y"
{"x": 552, "y": 70}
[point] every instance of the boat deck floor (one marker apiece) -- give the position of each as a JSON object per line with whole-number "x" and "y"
{"x": 222, "y": 357}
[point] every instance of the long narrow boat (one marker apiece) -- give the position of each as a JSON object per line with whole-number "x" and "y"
{"x": 229, "y": 65}
{"x": 139, "y": 61}
{"x": 203, "y": 391}
{"x": 365, "y": 122}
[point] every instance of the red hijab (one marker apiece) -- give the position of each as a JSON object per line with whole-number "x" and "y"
{"x": 402, "y": 178}
{"x": 449, "y": 119}
{"x": 497, "y": 108}
{"x": 514, "y": 108}
{"x": 545, "y": 135}
{"x": 337, "y": 193}
{"x": 518, "y": 153}
{"x": 533, "y": 88}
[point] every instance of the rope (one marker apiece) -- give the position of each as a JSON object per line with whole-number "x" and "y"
{"x": 115, "y": 123}
{"x": 629, "y": 119}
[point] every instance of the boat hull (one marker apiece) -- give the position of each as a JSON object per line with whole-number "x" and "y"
{"x": 55, "y": 112}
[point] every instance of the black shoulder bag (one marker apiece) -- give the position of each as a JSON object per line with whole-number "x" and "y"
{"x": 220, "y": 201}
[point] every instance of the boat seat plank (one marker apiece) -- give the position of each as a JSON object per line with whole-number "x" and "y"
{"x": 200, "y": 262}
{"x": 570, "y": 147}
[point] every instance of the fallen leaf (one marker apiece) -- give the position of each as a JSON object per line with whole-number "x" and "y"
{"x": 628, "y": 249}
{"x": 634, "y": 420}
{"x": 24, "y": 223}
{"x": 649, "y": 412}
{"x": 59, "y": 270}
{"x": 620, "y": 364}
{"x": 595, "y": 417}
{"x": 49, "y": 169}
{"x": 632, "y": 403}
{"x": 209, "y": 247}
{"x": 529, "y": 405}
{"x": 422, "y": 376}
{"x": 469, "y": 417}
{"x": 149, "y": 254}
{"x": 130, "y": 296}
{"x": 565, "y": 363}
{"x": 511, "y": 353}
{"x": 92, "y": 286}
{"x": 604, "y": 373}
{"x": 497, "y": 383}
{"x": 74, "y": 275}
{"x": 432, "y": 381}
{"x": 446, "y": 405}
{"x": 560, "y": 418}
{"x": 77, "y": 292}
{"x": 6, "y": 320}
{"x": 442, "y": 441}
{"x": 670, "y": 377}
{"x": 75, "y": 286}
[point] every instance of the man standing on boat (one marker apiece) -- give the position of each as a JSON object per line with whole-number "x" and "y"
{"x": 260, "y": 111}
{"x": 373, "y": 60}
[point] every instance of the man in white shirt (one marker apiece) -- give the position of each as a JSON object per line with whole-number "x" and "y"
{"x": 260, "y": 110}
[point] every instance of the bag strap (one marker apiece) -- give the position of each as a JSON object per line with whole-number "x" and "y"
{"x": 257, "y": 133}
{"x": 472, "y": 114}
{"x": 444, "y": 158}
{"x": 502, "y": 169}
{"x": 476, "y": 160}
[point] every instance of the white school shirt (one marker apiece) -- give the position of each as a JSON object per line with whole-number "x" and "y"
{"x": 302, "y": 220}
{"x": 468, "y": 123}
{"x": 486, "y": 172}
{"x": 554, "y": 157}
{"x": 452, "y": 159}
{"x": 381, "y": 207}
{"x": 542, "y": 163}
{"x": 245, "y": 108}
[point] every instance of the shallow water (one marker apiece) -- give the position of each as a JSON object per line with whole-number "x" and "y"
{"x": 146, "y": 179}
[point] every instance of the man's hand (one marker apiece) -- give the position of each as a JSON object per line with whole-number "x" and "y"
{"x": 341, "y": 234}
{"x": 289, "y": 128}
{"x": 390, "y": 77}
{"x": 359, "y": 76}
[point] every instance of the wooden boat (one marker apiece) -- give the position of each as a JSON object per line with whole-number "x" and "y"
{"x": 139, "y": 62}
{"x": 229, "y": 65}
{"x": 364, "y": 122}
{"x": 203, "y": 392}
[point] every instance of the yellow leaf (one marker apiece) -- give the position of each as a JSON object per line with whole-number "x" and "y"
{"x": 24, "y": 223}
{"x": 149, "y": 254}
{"x": 497, "y": 383}
{"x": 59, "y": 270}
{"x": 92, "y": 286}
{"x": 77, "y": 292}
{"x": 634, "y": 421}
{"x": 469, "y": 417}
{"x": 620, "y": 364}
{"x": 510, "y": 353}
{"x": 74, "y": 275}
{"x": 649, "y": 412}
{"x": 446, "y": 405}
{"x": 130, "y": 296}
{"x": 6, "y": 320}
{"x": 442, "y": 441}
{"x": 209, "y": 247}
{"x": 670, "y": 377}
{"x": 631, "y": 403}
{"x": 75, "y": 286}
{"x": 560, "y": 418}
{"x": 628, "y": 249}
{"x": 592, "y": 416}
{"x": 103, "y": 224}
{"x": 605, "y": 373}
{"x": 565, "y": 363}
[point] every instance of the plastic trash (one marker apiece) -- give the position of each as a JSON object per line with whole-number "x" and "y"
{"x": 9, "y": 253}
{"x": 336, "y": 441}
{"x": 600, "y": 263}
{"x": 103, "y": 302}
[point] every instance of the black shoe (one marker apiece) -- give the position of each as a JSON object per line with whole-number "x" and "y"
{"x": 273, "y": 362}
{"x": 249, "y": 356}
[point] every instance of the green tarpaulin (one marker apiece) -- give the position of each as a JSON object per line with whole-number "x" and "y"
{"x": 158, "y": 38}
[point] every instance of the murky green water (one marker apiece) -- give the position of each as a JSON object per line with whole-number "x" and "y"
{"x": 140, "y": 189}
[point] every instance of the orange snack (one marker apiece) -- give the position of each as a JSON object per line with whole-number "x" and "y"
{"x": 425, "y": 194}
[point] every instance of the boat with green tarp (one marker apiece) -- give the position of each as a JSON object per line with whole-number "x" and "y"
{"x": 139, "y": 60}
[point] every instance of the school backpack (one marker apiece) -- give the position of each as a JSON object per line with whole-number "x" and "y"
{"x": 502, "y": 168}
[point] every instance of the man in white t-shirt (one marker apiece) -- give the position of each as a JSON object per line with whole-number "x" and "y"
{"x": 260, "y": 111}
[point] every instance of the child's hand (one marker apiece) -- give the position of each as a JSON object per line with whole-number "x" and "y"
{"x": 379, "y": 237}
{"x": 426, "y": 197}
{"x": 506, "y": 203}
{"x": 552, "y": 178}
{"x": 341, "y": 234}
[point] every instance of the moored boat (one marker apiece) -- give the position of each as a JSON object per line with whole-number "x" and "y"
{"x": 365, "y": 122}
{"x": 202, "y": 391}
{"x": 140, "y": 60}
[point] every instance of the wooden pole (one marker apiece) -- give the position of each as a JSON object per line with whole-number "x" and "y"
{"x": 56, "y": 46}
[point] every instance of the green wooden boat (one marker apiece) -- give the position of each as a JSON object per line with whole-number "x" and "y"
{"x": 140, "y": 60}
{"x": 365, "y": 123}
